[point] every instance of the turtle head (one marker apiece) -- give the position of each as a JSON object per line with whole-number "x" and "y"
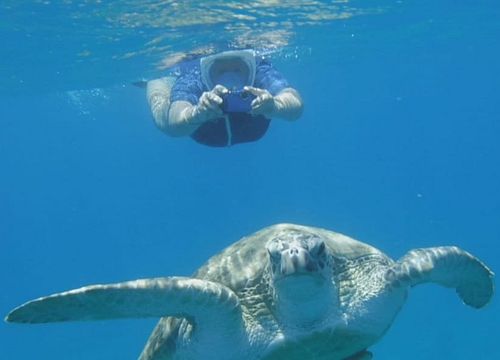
{"x": 300, "y": 267}
{"x": 296, "y": 254}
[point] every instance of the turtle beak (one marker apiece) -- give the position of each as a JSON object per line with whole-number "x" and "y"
{"x": 296, "y": 260}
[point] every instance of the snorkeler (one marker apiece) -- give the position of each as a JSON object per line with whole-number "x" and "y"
{"x": 223, "y": 99}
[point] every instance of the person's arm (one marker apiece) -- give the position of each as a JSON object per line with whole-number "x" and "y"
{"x": 175, "y": 105}
{"x": 184, "y": 117}
{"x": 286, "y": 105}
{"x": 179, "y": 121}
{"x": 274, "y": 96}
{"x": 158, "y": 95}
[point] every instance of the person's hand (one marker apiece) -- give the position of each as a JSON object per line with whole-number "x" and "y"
{"x": 263, "y": 104}
{"x": 209, "y": 105}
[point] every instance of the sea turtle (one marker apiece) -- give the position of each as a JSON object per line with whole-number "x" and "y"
{"x": 285, "y": 292}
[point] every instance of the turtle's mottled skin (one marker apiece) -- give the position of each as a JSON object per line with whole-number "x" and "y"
{"x": 285, "y": 292}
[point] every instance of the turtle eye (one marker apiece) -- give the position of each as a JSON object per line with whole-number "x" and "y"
{"x": 274, "y": 255}
{"x": 321, "y": 249}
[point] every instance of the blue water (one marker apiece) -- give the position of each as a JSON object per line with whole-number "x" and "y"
{"x": 398, "y": 147}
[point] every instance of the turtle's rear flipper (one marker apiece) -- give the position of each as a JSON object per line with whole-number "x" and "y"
{"x": 195, "y": 299}
{"x": 448, "y": 266}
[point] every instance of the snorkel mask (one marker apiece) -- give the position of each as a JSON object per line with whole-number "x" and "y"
{"x": 234, "y": 70}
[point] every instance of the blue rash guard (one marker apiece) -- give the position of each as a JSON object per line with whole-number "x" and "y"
{"x": 233, "y": 128}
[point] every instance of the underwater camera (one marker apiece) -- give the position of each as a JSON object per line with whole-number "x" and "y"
{"x": 237, "y": 101}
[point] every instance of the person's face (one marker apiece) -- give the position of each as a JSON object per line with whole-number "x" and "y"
{"x": 232, "y": 73}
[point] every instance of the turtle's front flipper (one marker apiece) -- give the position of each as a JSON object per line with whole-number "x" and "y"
{"x": 195, "y": 299}
{"x": 449, "y": 266}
